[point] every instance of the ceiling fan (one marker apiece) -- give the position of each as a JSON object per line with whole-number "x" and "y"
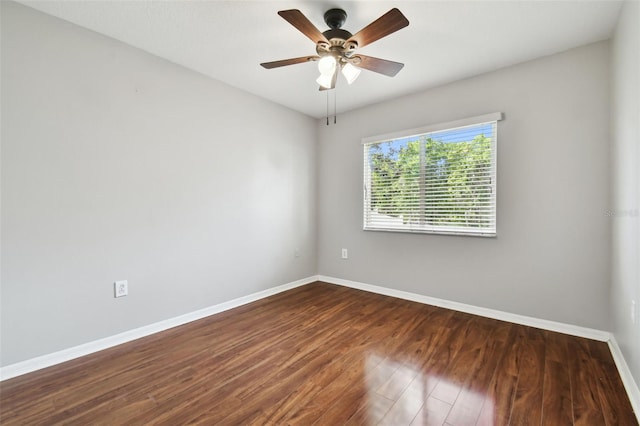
{"x": 336, "y": 47}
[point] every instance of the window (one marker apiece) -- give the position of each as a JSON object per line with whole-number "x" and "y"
{"x": 438, "y": 179}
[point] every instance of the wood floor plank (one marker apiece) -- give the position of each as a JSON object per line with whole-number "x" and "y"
{"x": 557, "y": 400}
{"x": 407, "y": 405}
{"x": 399, "y": 339}
{"x": 468, "y": 405}
{"x": 587, "y": 409}
{"x": 463, "y": 366}
{"x": 498, "y": 401}
{"x": 371, "y": 410}
{"x": 435, "y": 367}
{"x": 307, "y": 359}
{"x": 324, "y": 354}
{"x": 379, "y": 370}
{"x": 433, "y": 413}
{"x": 358, "y": 337}
{"x": 616, "y": 408}
{"x": 527, "y": 403}
{"x": 436, "y": 334}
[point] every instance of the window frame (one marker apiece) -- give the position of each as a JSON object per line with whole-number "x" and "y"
{"x": 492, "y": 118}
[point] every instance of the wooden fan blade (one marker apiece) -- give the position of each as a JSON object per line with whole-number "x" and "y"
{"x": 298, "y": 20}
{"x": 381, "y": 66}
{"x": 292, "y": 61}
{"x": 388, "y": 23}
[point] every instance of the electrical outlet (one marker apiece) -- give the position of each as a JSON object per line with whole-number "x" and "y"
{"x": 120, "y": 288}
{"x": 345, "y": 253}
{"x": 296, "y": 253}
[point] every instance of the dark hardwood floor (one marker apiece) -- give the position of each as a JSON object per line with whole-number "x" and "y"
{"x": 329, "y": 355}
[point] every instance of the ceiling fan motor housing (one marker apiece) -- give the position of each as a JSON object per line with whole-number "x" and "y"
{"x": 337, "y": 33}
{"x": 335, "y": 19}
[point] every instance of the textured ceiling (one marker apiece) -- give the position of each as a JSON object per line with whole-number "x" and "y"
{"x": 445, "y": 40}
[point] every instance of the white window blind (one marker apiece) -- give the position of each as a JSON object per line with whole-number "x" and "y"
{"x": 438, "y": 179}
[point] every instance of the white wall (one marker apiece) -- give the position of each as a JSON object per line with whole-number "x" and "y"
{"x": 119, "y": 165}
{"x": 551, "y": 257}
{"x": 625, "y": 118}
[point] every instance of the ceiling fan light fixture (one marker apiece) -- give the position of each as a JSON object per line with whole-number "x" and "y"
{"x": 327, "y": 65}
{"x": 350, "y": 72}
{"x": 335, "y": 47}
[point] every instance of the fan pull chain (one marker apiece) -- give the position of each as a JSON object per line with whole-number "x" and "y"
{"x": 335, "y": 112}
{"x": 327, "y": 107}
{"x": 335, "y": 109}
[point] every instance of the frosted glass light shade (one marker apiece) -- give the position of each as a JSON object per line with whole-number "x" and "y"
{"x": 327, "y": 65}
{"x": 325, "y": 80}
{"x": 350, "y": 72}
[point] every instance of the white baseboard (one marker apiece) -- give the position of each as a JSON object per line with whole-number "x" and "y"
{"x": 625, "y": 374}
{"x": 573, "y": 330}
{"x": 64, "y": 355}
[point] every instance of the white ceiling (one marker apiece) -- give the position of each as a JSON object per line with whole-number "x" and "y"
{"x": 445, "y": 40}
